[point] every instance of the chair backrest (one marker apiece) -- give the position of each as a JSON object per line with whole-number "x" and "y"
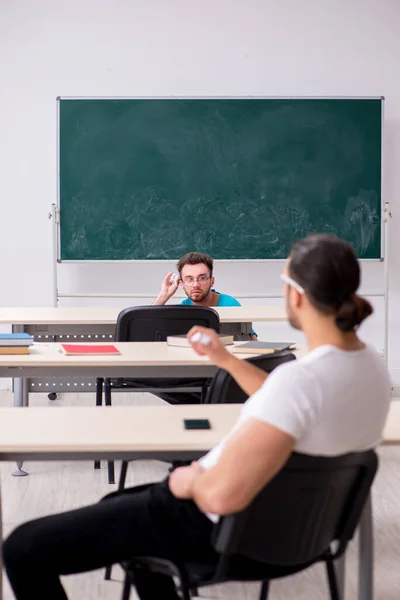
{"x": 310, "y": 503}
{"x": 155, "y": 323}
{"x": 225, "y": 390}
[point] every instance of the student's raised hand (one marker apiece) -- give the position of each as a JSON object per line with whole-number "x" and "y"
{"x": 210, "y": 345}
{"x": 169, "y": 286}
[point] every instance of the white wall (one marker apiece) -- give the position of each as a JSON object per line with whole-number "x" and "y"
{"x": 177, "y": 47}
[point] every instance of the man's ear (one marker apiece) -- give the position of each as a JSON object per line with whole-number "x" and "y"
{"x": 298, "y": 298}
{"x": 212, "y": 281}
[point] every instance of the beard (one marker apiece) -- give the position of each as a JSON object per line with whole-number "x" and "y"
{"x": 200, "y": 294}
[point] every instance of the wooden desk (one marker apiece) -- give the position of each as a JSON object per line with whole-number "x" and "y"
{"x": 46, "y": 364}
{"x": 146, "y": 432}
{"x": 120, "y": 432}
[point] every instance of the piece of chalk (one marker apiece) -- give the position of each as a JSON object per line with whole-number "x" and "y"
{"x": 205, "y": 339}
{"x": 174, "y": 277}
{"x": 202, "y": 338}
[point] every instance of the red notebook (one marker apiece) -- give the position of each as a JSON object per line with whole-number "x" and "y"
{"x": 76, "y": 349}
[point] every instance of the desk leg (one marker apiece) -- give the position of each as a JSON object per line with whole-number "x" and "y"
{"x": 21, "y": 400}
{"x": 245, "y": 331}
{"x": 366, "y": 554}
{"x": 241, "y": 331}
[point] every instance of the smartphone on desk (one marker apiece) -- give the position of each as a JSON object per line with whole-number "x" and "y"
{"x": 196, "y": 424}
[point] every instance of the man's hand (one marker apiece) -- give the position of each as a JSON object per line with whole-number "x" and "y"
{"x": 248, "y": 377}
{"x": 215, "y": 349}
{"x": 168, "y": 288}
{"x": 182, "y": 479}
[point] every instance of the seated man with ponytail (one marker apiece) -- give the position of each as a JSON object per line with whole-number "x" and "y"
{"x": 332, "y": 401}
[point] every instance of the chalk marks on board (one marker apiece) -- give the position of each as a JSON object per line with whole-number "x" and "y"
{"x": 132, "y": 231}
{"x": 362, "y": 218}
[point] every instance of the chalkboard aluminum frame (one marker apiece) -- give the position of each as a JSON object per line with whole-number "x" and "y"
{"x": 56, "y": 220}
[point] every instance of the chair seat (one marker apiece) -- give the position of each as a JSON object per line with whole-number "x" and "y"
{"x": 240, "y": 569}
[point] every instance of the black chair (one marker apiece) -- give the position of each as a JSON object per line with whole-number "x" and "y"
{"x": 293, "y": 523}
{"x": 224, "y": 389}
{"x": 154, "y": 324}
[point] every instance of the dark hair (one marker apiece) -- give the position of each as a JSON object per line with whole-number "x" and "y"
{"x": 195, "y": 258}
{"x": 328, "y": 270}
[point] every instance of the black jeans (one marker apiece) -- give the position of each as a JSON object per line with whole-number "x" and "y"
{"x": 147, "y": 520}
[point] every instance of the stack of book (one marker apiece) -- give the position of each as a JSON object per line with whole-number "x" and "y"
{"x": 15, "y": 343}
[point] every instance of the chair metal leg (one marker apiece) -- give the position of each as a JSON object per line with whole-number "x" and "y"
{"x": 107, "y": 391}
{"x": 107, "y": 575}
{"x": 111, "y": 472}
{"x": 332, "y": 580}
{"x": 366, "y": 554}
{"x": 264, "y": 590}
{"x": 185, "y": 593}
{"x": 99, "y": 391}
{"x": 99, "y": 402}
{"x": 204, "y": 390}
{"x": 107, "y": 402}
{"x": 340, "y": 567}
{"x": 122, "y": 475}
{"x": 126, "y": 592}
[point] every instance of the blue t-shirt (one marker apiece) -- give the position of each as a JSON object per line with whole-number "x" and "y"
{"x": 223, "y": 300}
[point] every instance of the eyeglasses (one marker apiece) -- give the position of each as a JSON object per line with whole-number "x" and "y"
{"x": 201, "y": 279}
{"x": 292, "y": 283}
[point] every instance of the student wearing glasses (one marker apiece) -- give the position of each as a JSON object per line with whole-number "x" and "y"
{"x": 196, "y": 278}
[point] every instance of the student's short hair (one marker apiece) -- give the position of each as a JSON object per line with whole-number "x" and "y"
{"x": 195, "y": 258}
{"x": 328, "y": 270}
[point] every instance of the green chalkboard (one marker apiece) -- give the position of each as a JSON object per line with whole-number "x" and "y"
{"x": 236, "y": 178}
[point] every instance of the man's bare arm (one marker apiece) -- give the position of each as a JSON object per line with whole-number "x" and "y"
{"x": 251, "y": 458}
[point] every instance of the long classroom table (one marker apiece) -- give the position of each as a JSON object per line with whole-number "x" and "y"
{"x": 82, "y": 316}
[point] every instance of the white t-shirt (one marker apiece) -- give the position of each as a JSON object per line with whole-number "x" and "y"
{"x": 331, "y": 401}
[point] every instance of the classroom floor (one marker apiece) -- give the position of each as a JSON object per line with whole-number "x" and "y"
{"x": 53, "y": 487}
